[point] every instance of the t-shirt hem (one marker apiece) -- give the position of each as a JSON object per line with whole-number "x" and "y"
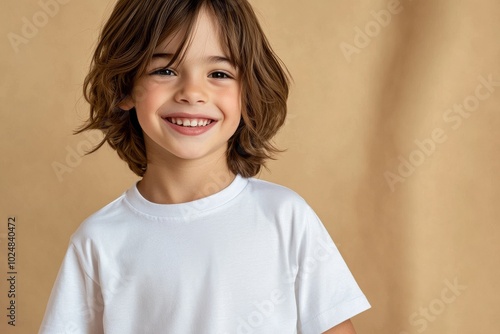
{"x": 335, "y": 316}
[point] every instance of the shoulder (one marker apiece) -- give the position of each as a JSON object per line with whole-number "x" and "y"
{"x": 103, "y": 221}
{"x": 273, "y": 191}
{"x": 277, "y": 197}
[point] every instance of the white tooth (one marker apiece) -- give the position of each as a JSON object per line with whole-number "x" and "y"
{"x": 190, "y": 122}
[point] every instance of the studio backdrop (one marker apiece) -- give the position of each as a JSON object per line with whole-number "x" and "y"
{"x": 392, "y": 137}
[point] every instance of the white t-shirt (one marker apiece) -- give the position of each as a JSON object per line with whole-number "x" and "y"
{"x": 252, "y": 258}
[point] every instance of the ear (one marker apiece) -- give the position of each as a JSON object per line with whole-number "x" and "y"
{"x": 127, "y": 103}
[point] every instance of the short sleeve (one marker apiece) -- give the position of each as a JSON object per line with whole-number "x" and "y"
{"x": 75, "y": 305}
{"x": 326, "y": 292}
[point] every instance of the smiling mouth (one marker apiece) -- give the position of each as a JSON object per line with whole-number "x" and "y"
{"x": 189, "y": 122}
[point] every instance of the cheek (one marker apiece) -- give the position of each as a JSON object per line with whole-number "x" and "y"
{"x": 146, "y": 95}
{"x": 234, "y": 114}
{"x": 232, "y": 102}
{"x": 148, "y": 100}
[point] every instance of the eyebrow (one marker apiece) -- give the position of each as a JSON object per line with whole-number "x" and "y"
{"x": 211, "y": 59}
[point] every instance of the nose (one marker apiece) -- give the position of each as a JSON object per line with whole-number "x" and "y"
{"x": 191, "y": 91}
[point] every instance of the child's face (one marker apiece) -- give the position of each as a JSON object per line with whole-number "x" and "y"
{"x": 189, "y": 110}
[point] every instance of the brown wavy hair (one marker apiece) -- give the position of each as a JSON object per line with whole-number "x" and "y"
{"x": 126, "y": 46}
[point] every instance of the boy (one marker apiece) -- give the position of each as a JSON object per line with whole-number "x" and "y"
{"x": 190, "y": 94}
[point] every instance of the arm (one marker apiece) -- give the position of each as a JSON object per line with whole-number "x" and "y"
{"x": 344, "y": 328}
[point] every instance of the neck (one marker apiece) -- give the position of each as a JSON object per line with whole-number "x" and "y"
{"x": 179, "y": 181}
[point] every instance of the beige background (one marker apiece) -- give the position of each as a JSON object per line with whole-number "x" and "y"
{"x": 352, "y": 120}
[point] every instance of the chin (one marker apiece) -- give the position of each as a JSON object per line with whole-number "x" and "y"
{"x": 195, "y": 154}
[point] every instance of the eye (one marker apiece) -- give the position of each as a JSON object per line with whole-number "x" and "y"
{"x": 164, "y": 72}
{"x": 219, "y": 75}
